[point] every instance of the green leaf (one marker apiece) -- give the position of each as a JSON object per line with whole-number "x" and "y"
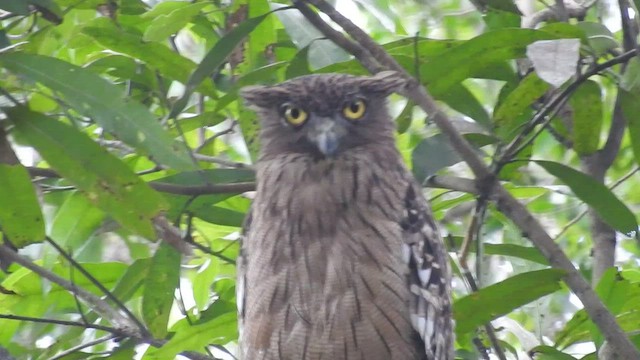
{"x": 322, "y": 52}
{"x": 496, "y": 300}
{"x": 220, "y": 330}
{"x": 155, "y": 55}
{"x": 299, "y": 65}
{"x": 403, "y": 121}
{"x": 165, "y": 25}
{"x": 599, "y": 37}
{"x": 459, "y": 98}
{"x": 631, "y": 77}
{"x": 256, "y": 48}
{"x": 215, "y": 58}
{"x": 595, "y": 194}
{"x": 98, "y": 99}
{"x": 75, "y": 221}
{"x": 159, "y": 289}
{"x": 498, "y": 19}
{"x": 620, "y": 294}
{"x": 543, "y": 352}
{"x": 20, "y": 216}
{"x": 615, "y": 291}
{"x": 576, "y": 330}
{"x": 221, "y": 216}
{"x": 507, "y": 117}
{"x": 20, "y": 7}
{"x": 132, "y": 279}
{"x": 512, "y": 250}
{"x": 29, "y": 287}
{"x": 586, "y": 103}
{"x": 104, "y": 179}
{"x": 630, "y": 103}
{"x": 453, "y": 66}
{"x": 425, "y": 164}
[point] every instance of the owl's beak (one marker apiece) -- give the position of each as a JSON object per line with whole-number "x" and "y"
{"x": 325, "y": 134}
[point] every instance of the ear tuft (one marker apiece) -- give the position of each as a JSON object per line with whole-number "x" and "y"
{"x": 256, "y": 95}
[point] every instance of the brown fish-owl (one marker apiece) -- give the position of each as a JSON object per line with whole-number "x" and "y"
{"x": 340, "y": 258}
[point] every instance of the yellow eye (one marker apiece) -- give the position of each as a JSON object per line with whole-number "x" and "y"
{"x": 294, "y": 115}
{"x": 354, "y": 110}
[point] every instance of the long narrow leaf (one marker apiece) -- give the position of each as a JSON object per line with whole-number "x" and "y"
{"x": 496, "y": 300}
{"x": 20, "y": 216}
{"x": 159, "y": 289}
{"x": 102, "y": 101}
{"x": 215, "y": 58}
{"x": 595, "y": 194}
{"x": 104, "y": 179}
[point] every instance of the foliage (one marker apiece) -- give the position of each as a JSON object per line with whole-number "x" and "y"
{"x": 126, "y": 119}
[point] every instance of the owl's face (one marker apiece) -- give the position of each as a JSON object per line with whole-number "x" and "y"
{"x": 324, "y": 115}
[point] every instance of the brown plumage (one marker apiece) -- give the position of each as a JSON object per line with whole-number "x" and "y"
{"x": 341, "y": 258}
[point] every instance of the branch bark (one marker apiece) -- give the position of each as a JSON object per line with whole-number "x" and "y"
{"x": 488, "y": 183}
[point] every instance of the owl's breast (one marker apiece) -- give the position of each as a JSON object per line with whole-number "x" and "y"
{"x": 324, "y": 264}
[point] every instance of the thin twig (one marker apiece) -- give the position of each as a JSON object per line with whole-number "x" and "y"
{"x": 143, "y": 330}
{"x": 108, "y": 329}
{"x": 71, "y": 350}
{"x": 122, "y": 323}
{"x": 208, "y": 141}
{"x": 583, "y": 213}
{"x": 513, "y": 148}
{"x": 188, "y": 190}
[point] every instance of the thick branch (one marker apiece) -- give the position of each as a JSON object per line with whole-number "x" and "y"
{"x": 509, "y": 205}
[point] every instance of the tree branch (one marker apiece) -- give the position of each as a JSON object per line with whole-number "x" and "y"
{"x": 188, "y": 190}
{"x": 122, "y": 323}
{"x": 507, "y": 203}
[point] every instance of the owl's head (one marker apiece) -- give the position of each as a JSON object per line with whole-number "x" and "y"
{"x": 324, "y": 115}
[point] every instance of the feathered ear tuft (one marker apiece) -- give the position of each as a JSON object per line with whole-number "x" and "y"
{"x": 256, "y": 95}
{"x": 384, "y": 82}
{"x": 264, "y": 96}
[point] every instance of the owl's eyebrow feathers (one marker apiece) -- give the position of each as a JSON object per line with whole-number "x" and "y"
{"x": 333, "y": 86}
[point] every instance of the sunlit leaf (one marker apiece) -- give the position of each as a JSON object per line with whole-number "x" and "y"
{"x": 165, "y": 25}
{"x": 507, "y": 117}
{"x": 159, "y": 289}
{"x": 75, "y": 221}
{"x": 613, "y": 211}
{"x": 95, "y": 97}
{"x": 543, "y": 352}
{"x": 20, "y": 216}
{"x": 454, "y": 66}
{"x": 496, "y": 300}
{"x": 215, "y": 58}
{"x": 156, "y": 55}
{"x": 220, "y": 330}
{"x": 104, "y": 179}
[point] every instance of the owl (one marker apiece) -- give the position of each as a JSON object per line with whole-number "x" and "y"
{"x": 340, "y": 256}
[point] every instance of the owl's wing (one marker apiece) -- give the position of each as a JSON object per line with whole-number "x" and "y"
{"x": 429, "y": 277}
